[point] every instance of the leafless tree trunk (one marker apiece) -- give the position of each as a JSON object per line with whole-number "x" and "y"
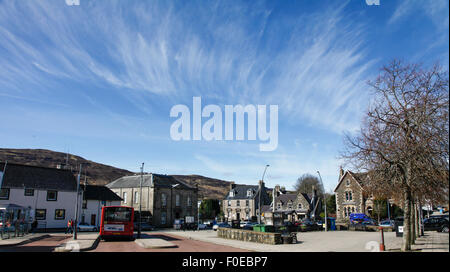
{"x": 403, "y": 143}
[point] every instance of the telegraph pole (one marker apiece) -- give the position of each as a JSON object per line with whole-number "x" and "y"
{"x": 259, "y": 198}
{"x": 140, "y": 201}
{"x": 325, "y": 202}
{"x": 76, "y": 207}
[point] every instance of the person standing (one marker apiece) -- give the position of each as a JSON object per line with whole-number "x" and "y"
{"x": 69, "y": 226}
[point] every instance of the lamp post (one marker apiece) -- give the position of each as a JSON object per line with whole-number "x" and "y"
{"x": 171, "y": 200}
{"x": 140, "y": 201}
{"x": 259, "y": 197}
{"x": 76, "y": 206}
{"x": 325, "y": 202}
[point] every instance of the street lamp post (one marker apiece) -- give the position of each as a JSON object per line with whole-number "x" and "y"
{"x": 140, "y": 201}
{"x": 325, "y": 202}
{"x": 76, "y": 207}
{"x": 259, "y": 197}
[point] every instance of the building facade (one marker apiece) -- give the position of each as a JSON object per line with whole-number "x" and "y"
{"x": 242, "y": 202}
{"x": 94, "y": 198}
{"x": 48, "y": 193}
{"x": 162, "y": 198}
{"x": 351, "y": 196}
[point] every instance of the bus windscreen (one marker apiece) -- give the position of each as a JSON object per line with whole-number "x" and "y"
{"x": 117, "y": 214}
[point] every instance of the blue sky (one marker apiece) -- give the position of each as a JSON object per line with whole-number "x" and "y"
{"x": 99, "y": 79}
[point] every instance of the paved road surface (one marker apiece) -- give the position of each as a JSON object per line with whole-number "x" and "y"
{"x": 184, "y": 245}
{"x": 43, "y": 245}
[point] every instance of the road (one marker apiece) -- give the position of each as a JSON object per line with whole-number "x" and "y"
{"x": 184, "y": 245}
{"x": 43, "y": 245}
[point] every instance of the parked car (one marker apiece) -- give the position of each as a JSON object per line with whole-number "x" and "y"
{"x": 178, "y": 223}
{"x": 249, "y": 226}
{"x": 86, "y": 227}
{"x": 387, "y": 223}
{"x": 307, "y": 225}
{"x": 221, "y": 225}
{"x": 202, "y": 226}
{"x": 145, "y": 226}
{"x": 243, "y": 223}
{"x": 369, "y": 222}
{"x": 436, "y": 223}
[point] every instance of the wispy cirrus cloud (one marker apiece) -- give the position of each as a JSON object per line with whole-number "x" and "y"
{"x": 229, "y": 53}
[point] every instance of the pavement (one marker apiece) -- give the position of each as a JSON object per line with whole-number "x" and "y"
{"x": 14, "y": 241}
{"x": 84, "y": 242}
{"x": 331, "y": 241}
{"x": 154, "y": 243}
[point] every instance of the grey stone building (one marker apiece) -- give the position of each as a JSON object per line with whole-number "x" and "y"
{"x": 287, "y": 206}
{"x": 351, "y": 196}
{"x": 242, "y": 202}
{"x": 164, "y": 198}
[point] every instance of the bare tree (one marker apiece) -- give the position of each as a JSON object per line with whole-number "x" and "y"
{"x": 307, "y": 183}
{"x": 403, "y": 141}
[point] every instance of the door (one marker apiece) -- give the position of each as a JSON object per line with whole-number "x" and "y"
{"x": 93, "y": 223}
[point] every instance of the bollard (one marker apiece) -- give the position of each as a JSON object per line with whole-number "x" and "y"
{"x": 382, "y": 239}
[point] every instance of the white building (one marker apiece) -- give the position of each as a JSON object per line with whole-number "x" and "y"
{"x": 94, "y": 198}
{"x": 49, "y": 193}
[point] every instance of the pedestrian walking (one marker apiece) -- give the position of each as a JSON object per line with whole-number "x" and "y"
{"x": 69, "y": 226}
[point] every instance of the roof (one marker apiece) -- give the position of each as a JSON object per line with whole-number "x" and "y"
{"x": 360, "y": 178}
{"x": 284, "y": 198}
{"x": 162, "y": 181}
{"x": 95, "y": 192}
{"x": 240, "y": 192}
{"x": 37, "y": 177}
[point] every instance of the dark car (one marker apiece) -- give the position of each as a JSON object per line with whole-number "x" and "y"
{"x": 144, "y": 226}
{"x": 436, "y": 223}
{"x": 307, "y": 225}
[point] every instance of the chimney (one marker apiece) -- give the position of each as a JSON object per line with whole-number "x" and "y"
{"x": 283, "y": 189}
{"x": 341, "y": 172}
{"x": 277, "y": 190}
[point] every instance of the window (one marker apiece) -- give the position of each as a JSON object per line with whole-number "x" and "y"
{"x": 177, "y": 200}
{"x": 353, "y": 209}
{"x": 29, "y": 192}
{"x": 229, "y": 203}
{"x": 136, "y": 195}
{"x": 163, "y": 218}
{"x": 124, "y": 197}
{"x": 348, "y": 196}
{"x": 348, "y": 182}
{"x": 279, "y": 205}
{"x": 189, "y": 201}
{"x": 289, "y": 205}
{"x": 41, "y": 214}
{"x": 84, "y": 204}
{"x": 60, "y": 214}
{"x": 231, "y": 193}
{"x": 249, "y": 192}
{"x": 163, "y": 200}
{"x": 238, "y": 203}
{"x": 247, "y": 203}
{"x": 299, "y": 205}
{"x": 52, "y": 195}
{"x": 4, "y": 193}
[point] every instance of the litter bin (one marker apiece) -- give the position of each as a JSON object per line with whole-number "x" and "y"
{"x": 267, "y": 228}
{"x": 257, "y": 227}
{"x": 398, "y": 226}
{"x": 287, "y": 238}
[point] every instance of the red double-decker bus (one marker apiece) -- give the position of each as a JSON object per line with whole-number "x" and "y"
{"x": 117, "y": 221}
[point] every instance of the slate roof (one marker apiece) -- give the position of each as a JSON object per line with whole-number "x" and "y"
{"x": 361, "y": 178}
{"x": 37, "y": 177}
{"x": 240, "y": 192}
{"x": 161, "y": 181}
{"x": 95, "y": 192}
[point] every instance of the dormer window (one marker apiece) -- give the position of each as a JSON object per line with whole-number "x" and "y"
{"x": 249, "y": 192}
{"x": 231, "y": 193}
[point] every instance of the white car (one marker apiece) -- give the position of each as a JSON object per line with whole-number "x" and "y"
{"x": 201, "y": 226}
{"x": 86, "y": 227}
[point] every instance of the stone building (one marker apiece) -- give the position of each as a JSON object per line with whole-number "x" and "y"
{"x": 351, "y": 196}
{"x": 164, "y": 198}
{"x": 242, "y": 202}
{"x": 288, "y": 207}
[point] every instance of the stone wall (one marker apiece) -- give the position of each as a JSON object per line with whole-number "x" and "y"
{"x": 250, "y": 236}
